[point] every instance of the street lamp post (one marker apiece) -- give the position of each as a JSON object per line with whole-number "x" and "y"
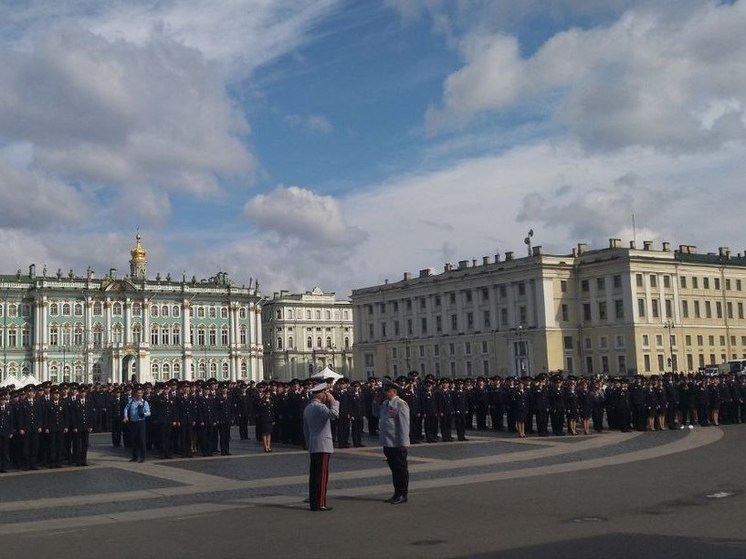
{"x": 669, "y": 325}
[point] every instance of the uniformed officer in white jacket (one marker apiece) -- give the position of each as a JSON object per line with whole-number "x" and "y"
{"x": 393, "y": 434}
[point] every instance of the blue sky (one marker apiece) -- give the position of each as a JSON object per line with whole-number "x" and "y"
{"x": 341, "y": 143}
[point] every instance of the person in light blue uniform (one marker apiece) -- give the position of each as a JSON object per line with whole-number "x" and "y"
{"x": 317, "y": 429}
{"x": 393, "y": 434}
{"x": 135, "y": 412}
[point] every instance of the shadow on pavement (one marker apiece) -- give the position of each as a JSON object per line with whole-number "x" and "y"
{"x": 624, "y": 546}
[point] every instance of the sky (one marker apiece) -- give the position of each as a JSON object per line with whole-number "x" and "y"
{"x": 340, "y": 144}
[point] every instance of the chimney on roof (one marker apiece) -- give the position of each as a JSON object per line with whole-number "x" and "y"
{"x": 407, "y": 276}
{"x": 666, "y": 246}
{"x": 536, "y": 251}
{"x": 425, "y": 273}
{"x": 632, "y": 245}
{"x": 497, "y": 257}
{"x": 509, "y": 256}
{"x": 447, "y": 267}
{"x": 692, "y": 249}
{"x": 647, "y": 245}
{"x": 582, "y": 248}
{"x": 615, "y": 243}
{"x": 724, "y": 252}
{"x": 485, "y": 260}
{"x": 463, "y": 264}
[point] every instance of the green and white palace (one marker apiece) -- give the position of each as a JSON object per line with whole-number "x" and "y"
{"x": 65, "y": 328}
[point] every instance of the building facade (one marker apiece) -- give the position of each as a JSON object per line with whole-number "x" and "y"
{"x": 618, "y": 310}
{"x": 305, "y": 332}
{"x": 110, "y": 329}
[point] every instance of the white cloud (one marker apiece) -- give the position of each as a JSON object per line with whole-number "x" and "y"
{"x": 303, "y": 215}
{"x": 649, "y": 79}
{"x": 31, "y": 200}
{"x": 313, "y": 123}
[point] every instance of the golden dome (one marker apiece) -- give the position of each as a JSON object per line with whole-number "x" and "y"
{"x": 139, "y": 252}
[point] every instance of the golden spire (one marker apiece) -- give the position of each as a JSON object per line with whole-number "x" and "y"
{"x": 138, "y": 253}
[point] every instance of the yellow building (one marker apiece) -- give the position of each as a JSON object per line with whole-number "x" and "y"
{"x": 617, "y": 310}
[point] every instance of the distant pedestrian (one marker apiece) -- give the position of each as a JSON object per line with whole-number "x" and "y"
{"x": 393, "y": 434}
{"x": 135, "y": 412}
{"x": 318, "y": 433}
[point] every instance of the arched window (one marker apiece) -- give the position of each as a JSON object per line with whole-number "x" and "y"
{"x": 54, "y": 335}
{"x": 242, "y": 312}
{"x": 318, "y": 315}
{"x": 54, "y": 309}
{"x": 78, "y": 311}
{"x": 176, "y": 312}
{"x": 347, "y": 342}
{"x": 290, "y": 343}
{"x": 176, "y": 335}
{"x": 98, "y": 336}
{"x": 78, "y": 334}
{"x": 136, "y": 333}
{"x": 117, "y": 334}
{"x": 165, "y": 337}
{"x": 154, "y": 371}
{"x": 279, "y": 342}
{"x": 201, "y": 336}
{"x": 154, "y": 311}
{"x": 346, "y": 315}
{"x": 224, "y": 371}
{"x": 242, "y": 335}
{"x": 328, "y": 315}
{"x": 78, "y": 373}
{"x": 177, "y": 370}
{"x": 244, "y": 370}
{"x": 136, "y": 309}
{"x": 96, "y": 372}
{"x": 154, "y": 334}
{"x": 213, "y": 335}
{"x": 328, "y": 342}
{"x": 26, "y": 336}
{"x": 166, "y": 370}
{"x": 213, "y": 369}
{"x": 223, "y": 312}
{"x": 54, "y": 374}
{"x": 224, "y": 335}
{"x": 116, "y": 309}
{"x": 66, "y": 309}
{"x": 98, "y": 308}
{"x": 66, "y": 373}
{"x": 12, "y": 337}
{"x": 66, "y": 335}
{"x": 164, "y": 310}
{"x": 309, "y": 342}
{"x": 212, "y": 312}
{"x": 318, "y": 341}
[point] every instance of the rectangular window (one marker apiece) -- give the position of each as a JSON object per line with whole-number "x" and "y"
{"x": 705, "y": 283}
{"x": 645, "y": 340}
{"x": 585, "y": 286}
{"x": 697, "y": 311}
{"x": 653, "y": 280}
{"x": 727, "y": 284}
{"x": 659, "y": 340}
{"x": 717, "y": 283}
{"x": 504, "y": 317}
{"x": 718, "y": 309}
{"x": 486, "y": 319}
{"x": 396, "y": 328}
{"x": 423, "y": 325}
{"x": 685, "y": 309}
{"x": 467, "y": 296}
{"x": 669, "y": 308}
{"x": 654, "y": 308}
{"x": 740, "y": 310}
{"x": 667, "y": 281}
{"x": 638, "y": 280}
{"x": 602, "y": 310}
{"x": 646, "y": 363}
{"x": 695, "y": 283}
{"x": 451, "y": 349}
{"x": 503, "y": 291}
{"x": 565, "y": 313}
{"x": 523, "y": 314}
{"x": 617, "y": 282}
{"x": 563, "y": 286}
{"x": 601, "y": 284}
{"x": 688, "y": 340}
{"x": 587, "y": 312}
{"x": 467, "y": 348}
{"x": 641, "y": 308}
{"x": 708, "y": 309}
{"x": 682, "y": 281}
{"x": 738, "y": 285}
{"x": 567, "y": 343}
{"x": 436, "y": 350}
{"x": 521, "y": 289}
{"x": 470, "y": 320}
{"x": 454, "y": 322}
{"x": 438, "y": 323}
{"x": 619, "y": 342}
{"x": 619, "y": 309}
{"x": 485, "y": 294}
{"x": 700, "y": 340}
{"x": 383, "y": 329}
{"x": 485, "y": 347}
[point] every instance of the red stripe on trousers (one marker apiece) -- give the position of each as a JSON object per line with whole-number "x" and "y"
{"x": 324, "y": 478}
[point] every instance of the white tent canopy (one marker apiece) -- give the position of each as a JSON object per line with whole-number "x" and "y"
{"x": 326, "y": 373}
{"x": 25, "y": 381}
{"x": 10, "y": 380}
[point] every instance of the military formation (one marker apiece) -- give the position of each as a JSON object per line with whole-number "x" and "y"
{"x": 49, "y": 425}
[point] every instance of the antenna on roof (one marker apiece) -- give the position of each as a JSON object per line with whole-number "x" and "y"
{"x": 527, "y": 240}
